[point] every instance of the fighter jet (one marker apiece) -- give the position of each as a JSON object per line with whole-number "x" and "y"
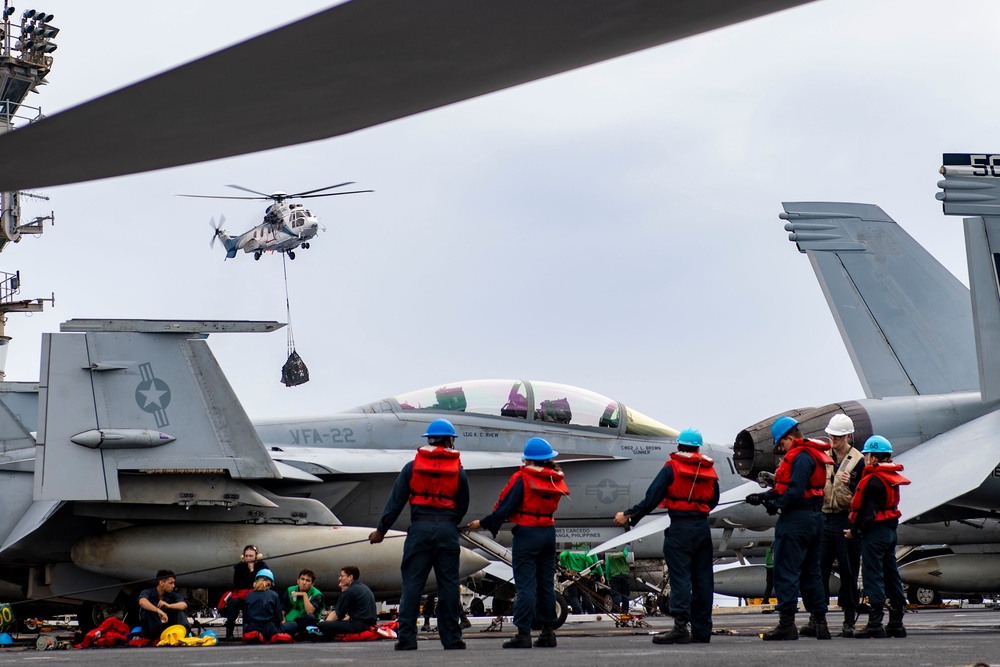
{"x": 144, "y": 459}
{"x": 926, "y": 350}
{"x": 609, "y": 451}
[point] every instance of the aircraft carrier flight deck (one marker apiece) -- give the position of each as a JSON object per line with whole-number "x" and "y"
{"x": 937, "y": 638}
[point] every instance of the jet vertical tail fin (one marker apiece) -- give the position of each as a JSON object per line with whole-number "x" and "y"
{"x": 972, "y": 187}
{"x": 904, "y": 318}
{"x": 139, "y": 397}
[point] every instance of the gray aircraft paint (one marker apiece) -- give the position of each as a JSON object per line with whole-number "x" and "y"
{"x": 926, "y": 350}
{"x": 138, "y": 426}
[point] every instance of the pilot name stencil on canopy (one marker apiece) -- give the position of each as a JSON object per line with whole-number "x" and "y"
{"x": 642, "y": 449}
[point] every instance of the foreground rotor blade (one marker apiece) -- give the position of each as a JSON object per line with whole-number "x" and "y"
{"x": 218, "y": 197}
{"x": 329, "y": 187}
{"x": 240, "y": 187}
{"x": 330, "y": 194}
{"x": 369, "y": 61}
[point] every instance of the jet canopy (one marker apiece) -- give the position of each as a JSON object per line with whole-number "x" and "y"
{"x": 547, "y": 402}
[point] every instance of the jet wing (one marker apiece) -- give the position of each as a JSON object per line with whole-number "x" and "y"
{"x": 652, "y": 525}
{"x": 324, "y": 461}
{"x": 949, "y": 465}
{"x": 499, "y": 570}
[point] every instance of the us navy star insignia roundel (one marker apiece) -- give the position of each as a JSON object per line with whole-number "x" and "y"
{"x": 153, "y": 395}
{"x": 607, "y": 491}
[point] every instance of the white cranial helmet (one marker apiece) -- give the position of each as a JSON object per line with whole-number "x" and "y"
{"x": 840, "y": 424}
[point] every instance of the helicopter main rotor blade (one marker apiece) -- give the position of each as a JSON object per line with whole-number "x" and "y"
{"x": 240, "y": 187}
{"x": 369, "y": 62}
{"x": 332, "y": 194}
{"x": 329, "y": 187}
{"x": 219, "y": 197}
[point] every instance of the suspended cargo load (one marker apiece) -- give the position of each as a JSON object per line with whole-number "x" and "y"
{"x": 294, "y": 372}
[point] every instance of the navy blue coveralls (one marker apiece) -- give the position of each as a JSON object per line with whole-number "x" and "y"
{"x": 355, "y": 610}
{"x": 262, "y": 613}
{"x": 797, "y": 538}
{"x": 688, "y": 550}
{"x": 534, "y": 557}
{"x": 879, "y": 573}
{"x": 431, "y": 541}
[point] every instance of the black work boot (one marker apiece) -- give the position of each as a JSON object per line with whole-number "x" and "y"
{"x": 849, "y": 616}
{"x": 785, "y": 631}
{"x": 894, "y": 628}
{"x": 874, "y": 629}
{"x": 809, "y": 629}
{"x": 547, "y": 639}
{"x": 520, "y": 640}
{"x": 679, "y": 634}
{"x": 822, "y": 629}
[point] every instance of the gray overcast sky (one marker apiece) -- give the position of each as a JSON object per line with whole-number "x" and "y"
{"x": 613, "y": 228}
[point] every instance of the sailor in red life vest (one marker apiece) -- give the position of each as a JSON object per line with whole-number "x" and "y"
{"x": 874, "y": 518}
{"x": 529, "y": 500}
{"x": 688, "y": 487}
{"x": 798, "y": 494}
{"x": 436, "y": 487}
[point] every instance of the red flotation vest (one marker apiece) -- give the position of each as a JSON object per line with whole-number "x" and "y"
{"x": 889, "y": 474}
{"x": 694, "y": 482}
{"x": 543, "y": 489}
{"x": 817, "y": 481}
{"x": 435, "y": 477}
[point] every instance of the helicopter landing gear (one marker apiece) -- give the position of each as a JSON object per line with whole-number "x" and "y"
{"x": 256, "y": 256}
{"x": 306, "y": 246}
{"x": 291, "y": 255}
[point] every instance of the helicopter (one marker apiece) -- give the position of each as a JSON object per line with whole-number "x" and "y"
{"x": 286, "y": 226}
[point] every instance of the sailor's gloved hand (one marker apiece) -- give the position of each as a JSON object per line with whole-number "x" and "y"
{"x": 755, "y": 499}
{"x": 769, "y": 506}
{"x": 765, "y": 479}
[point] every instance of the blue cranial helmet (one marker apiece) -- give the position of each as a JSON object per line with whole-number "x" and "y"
{"x": 781, "y": 427}
{"x": 440, "y": 428}
{"x": 877, "y": 445}
{"x": 690, "y": 437}
{"x": 538, "y": 449}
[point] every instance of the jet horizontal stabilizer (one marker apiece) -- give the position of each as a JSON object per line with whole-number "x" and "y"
{"x": 37, "y": 514}
{"x": 948, "y": 466}
{"x": 652, "y": 525}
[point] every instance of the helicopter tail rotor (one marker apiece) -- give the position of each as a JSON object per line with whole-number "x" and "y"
{"x": 217, "y": 228}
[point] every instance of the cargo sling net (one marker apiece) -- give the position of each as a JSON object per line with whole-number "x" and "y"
{"x": 294, "y": 372}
